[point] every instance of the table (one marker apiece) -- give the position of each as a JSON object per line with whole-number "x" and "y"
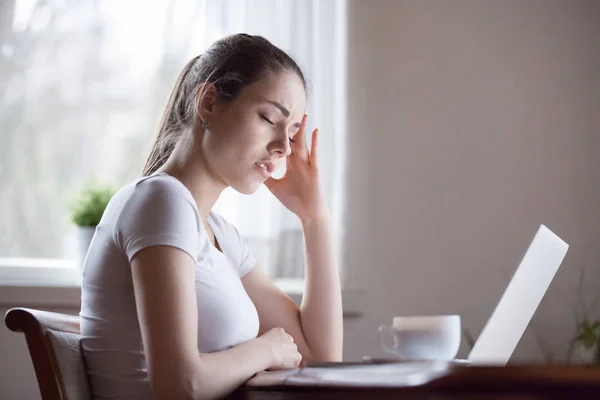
{"x": 425, "y": 380}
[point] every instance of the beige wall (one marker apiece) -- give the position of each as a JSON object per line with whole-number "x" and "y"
{"x": 470, "y": 123}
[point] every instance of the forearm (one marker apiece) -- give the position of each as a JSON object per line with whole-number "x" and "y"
{"x": 321, "y": 309}
{"x": 222, "y": 372}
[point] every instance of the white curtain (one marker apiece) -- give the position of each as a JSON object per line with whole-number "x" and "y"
{"x": 312, "y": 33}
{"x": 82, "y": 86}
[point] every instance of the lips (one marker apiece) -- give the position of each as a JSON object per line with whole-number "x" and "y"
{"x": 268, "y": 166}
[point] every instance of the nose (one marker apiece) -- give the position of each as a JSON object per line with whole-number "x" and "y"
{"x": 280, "y": 145}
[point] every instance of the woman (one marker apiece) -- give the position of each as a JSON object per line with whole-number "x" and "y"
{"x": 173, "y": 304}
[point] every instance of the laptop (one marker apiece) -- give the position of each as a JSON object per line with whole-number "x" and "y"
{"x": 508, "y": 322}
{"x": 500, "y": 336}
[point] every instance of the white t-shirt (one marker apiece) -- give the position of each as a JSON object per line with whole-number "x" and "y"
{"x": 157, "y": 210}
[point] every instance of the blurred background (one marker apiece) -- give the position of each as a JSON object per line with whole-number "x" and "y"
{"x": 84, "y": 83}
{"x": 452, "y": 130}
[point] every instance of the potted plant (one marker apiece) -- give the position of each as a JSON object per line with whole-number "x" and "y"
{"x": 87, "y": 209}
{"x": 587, "y": 342}
{"x": 583, "y": 346}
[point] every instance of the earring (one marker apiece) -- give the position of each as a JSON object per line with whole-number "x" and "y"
{"x": 204, "y": 125}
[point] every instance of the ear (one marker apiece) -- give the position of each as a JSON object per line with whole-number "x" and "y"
{"x": 206, "y": 100}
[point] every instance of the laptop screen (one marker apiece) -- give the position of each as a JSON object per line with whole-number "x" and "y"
{"x": 521, "y": 298}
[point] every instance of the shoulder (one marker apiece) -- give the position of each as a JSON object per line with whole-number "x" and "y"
{"x": 159, "y": 200}
{"x": 226, "y": 227}
{"x": 155, "y": 194}
{"x": 157, "y": 210}
{"x": 161, "y": 186}
{"x": 234, "y": 242}
{"x": 220, "y": 221}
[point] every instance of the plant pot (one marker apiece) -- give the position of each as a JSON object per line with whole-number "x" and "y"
{"x": 83, "y": 238}
{"x": 584, "y": 355}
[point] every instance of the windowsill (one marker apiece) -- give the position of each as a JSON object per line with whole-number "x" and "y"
{"x": 57, "y": 284}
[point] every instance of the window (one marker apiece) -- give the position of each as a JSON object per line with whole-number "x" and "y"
{"x": 82, "y": 87}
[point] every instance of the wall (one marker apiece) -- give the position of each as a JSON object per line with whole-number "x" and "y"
{"x": 470, "y": 123}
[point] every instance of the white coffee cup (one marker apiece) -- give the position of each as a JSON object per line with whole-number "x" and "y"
{"x": 422, "y": 338}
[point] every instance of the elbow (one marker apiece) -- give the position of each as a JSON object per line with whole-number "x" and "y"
{"x": 327, "y": 350}
{"x": 176, "y": 388}
{"x": 165, "y": 392}
{"x": 331, "y": 357}
{"x": 335, "y": 357}
{"x": 324, "y": 355}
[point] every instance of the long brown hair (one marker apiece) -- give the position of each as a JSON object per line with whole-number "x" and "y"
{"x": 230, "y": 64}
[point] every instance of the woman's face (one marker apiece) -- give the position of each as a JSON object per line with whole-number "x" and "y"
{"x": 248, "y": 137}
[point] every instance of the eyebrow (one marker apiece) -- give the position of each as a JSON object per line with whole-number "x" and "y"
{"x": 284, "y": 111}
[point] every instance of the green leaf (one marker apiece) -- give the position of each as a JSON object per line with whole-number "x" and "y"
{"x": 89, "y": 204}
{"x": 587, "y": 334}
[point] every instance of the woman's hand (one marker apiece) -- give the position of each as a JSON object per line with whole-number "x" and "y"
{"x": 300, "y": 188}
{"x": 283, "y": 352}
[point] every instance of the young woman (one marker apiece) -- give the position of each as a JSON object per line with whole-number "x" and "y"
{"x": 173, "y": 303}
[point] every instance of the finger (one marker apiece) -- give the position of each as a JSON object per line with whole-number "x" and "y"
{"x": 300, "y": 145}
{"x": 273, "y": 184}
{"x": 314, "y": 147}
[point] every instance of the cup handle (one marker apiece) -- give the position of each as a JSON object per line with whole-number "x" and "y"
{"x": 387, "y": 330}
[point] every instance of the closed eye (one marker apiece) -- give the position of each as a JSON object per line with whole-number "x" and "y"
{"x": 269, "y": 121}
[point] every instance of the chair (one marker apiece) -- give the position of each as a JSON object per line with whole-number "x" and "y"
{"x": 54, "y": 343}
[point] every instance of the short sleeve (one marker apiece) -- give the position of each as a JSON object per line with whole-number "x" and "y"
{"x": 159, "y": 211}
{"x": 242, "y": 255}
{"x": 247, "y": 260}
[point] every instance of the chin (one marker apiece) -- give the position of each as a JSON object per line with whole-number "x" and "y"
{"x": 246, "y": 187}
